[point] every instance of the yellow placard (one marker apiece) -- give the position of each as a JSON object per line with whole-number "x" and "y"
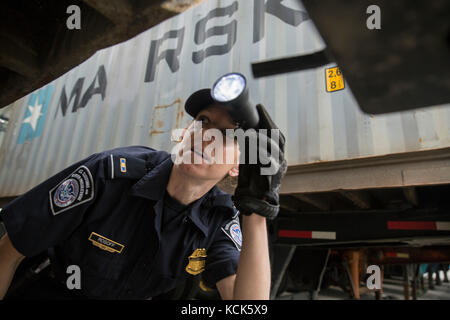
{"x": 334, "y": 79}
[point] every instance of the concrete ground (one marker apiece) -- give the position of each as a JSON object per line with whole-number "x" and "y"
{"x": 393, "y": 290}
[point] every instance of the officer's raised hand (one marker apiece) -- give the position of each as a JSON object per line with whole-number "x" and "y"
{"x": 259, "y": 184}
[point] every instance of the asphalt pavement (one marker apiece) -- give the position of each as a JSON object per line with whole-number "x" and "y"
{"x": 393, "y": 290}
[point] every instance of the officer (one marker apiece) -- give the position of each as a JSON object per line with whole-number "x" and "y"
{"x": 134, "y": 224}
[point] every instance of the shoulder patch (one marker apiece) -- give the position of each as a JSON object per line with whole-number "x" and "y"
{"x": 233, "y": 231}
{"x": 236, "y": 212}
{"x": 74, "y": 190}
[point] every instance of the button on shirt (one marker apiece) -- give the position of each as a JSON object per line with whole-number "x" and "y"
{"x": 110, "y": 215}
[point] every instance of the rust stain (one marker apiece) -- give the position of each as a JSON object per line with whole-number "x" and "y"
{"x": 163, "y": 106}
{"x": 180, "y": 113}
{"x": 158, "y": 123}
{"x": 155, "y": 132}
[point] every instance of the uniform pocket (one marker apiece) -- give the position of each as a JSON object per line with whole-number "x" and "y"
{"x": 102, "y": 264}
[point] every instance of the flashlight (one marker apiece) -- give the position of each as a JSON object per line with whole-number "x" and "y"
{"x": 231, "y": 93}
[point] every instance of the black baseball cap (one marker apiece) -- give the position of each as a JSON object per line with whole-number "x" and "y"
{"x": 237, "y": 105}
{"x": 198, "y": 101}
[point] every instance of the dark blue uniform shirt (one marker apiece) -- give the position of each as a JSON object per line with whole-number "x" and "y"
{"x": 104, "y": 214}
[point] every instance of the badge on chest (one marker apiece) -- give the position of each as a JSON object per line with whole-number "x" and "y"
{"x": 197, "y": 262}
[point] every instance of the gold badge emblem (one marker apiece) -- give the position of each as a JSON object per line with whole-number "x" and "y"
{"x": 197, "y": 262}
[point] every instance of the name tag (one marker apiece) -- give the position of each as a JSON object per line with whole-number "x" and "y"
{"x": 105, "y": 243}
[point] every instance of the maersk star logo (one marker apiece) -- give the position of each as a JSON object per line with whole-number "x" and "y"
{"x": 34, "y": 118}
{"x": 34, "y": 114}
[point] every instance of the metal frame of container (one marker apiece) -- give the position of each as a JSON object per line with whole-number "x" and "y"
{"x": 118, "y": 104}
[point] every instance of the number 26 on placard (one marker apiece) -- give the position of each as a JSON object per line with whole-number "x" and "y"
{"x": 334, "y": 79}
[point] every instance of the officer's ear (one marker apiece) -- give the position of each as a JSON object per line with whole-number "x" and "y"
{"x": 178, "y": 134}
{"x": 229, "y": 183}
{"x": 234, "y": 172}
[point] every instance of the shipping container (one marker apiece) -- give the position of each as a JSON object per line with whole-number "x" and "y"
{"x": 134, "y": 93}
{"x": 354, "y": 179}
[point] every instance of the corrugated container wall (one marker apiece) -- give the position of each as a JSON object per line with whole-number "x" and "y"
{"x": 134, "y": 93}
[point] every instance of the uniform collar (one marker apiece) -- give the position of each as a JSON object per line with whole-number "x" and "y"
{"x": 153, "y": 185}
{"x": 200, "y": 209}
{"x": 198, "y": 214}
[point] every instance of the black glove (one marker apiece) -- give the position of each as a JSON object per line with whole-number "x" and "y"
{"x": 259, "y": 184}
